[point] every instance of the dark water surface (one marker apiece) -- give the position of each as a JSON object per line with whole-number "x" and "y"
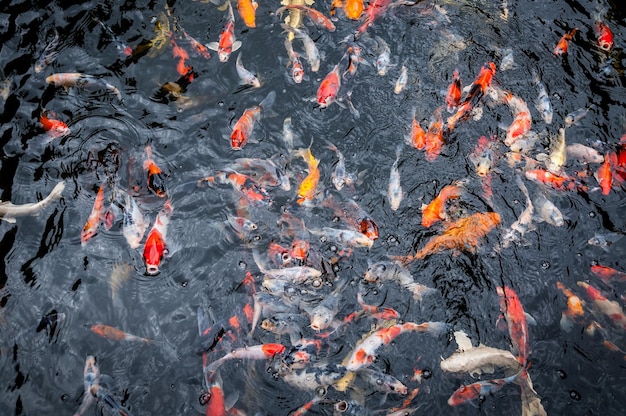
{"x": 47, "y": 274}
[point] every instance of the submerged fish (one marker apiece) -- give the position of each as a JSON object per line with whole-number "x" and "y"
{"x": 9, "y": 211}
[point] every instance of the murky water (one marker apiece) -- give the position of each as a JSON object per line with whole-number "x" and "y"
{"x": 53, "y": 288}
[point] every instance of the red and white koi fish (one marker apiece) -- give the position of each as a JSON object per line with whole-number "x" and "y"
{"x": 266, "y": 172}
{"x": 562, "y": 45}
{"x": 95, "y": 218}
{"x": 246, "y": 77}
{"x": 198, "y": 47}
{"x": 329, "y": 88}
{"x": 53, "y": 126}
{"x": 575, "y": 307}
{"x": 156, "y": 244}
{"x": 354, "y": 215}
{"x": 245, "y": 186}
{"x": 297, "y": 70}
{"x": 513, "y": 311}
{"x": 9, "y": 211}
{"x": 227, "y": 43}
{"x": 312, "y": 53}
{"x": 364, "y": 352}
{"x": 254, "y": 352}
{"x": 316, "y": 17}
{"x": 453, "y": 95}
{"x": 521, "y": 116}
{"x": 610, "y": 308}
{"x": 604, "y": 35}
{"x": 374, "y": 10}
{"x": 114, "y": 334}
{"x": 474, "y": 391}
{"x": 556, "y": 181}
{"x": 608, "y": 274}
{"x": 74, "y": 79}
{"x": 244, "y": 126}
{"x": 122, "y": 48}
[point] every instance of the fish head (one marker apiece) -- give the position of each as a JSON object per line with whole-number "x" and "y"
{"x": 156, "y": 183}
{"x": 153, "y": 253}
{"x": 237, "y": 139}
{"x": 369, "y": 228}
{"x": 321, "y": 318}
{"x": 89, "y": 231}
{"x": 374, "y": 272}
{"x": 223, "y": 55}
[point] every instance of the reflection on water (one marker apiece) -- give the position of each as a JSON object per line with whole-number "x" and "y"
{"x": 149, "y": 82}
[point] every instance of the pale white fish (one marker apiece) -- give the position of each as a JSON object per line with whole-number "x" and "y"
{"x": 394, "y": 192}
{"x": 246, "y": 77}
{"x": 340, "y": 177}
{"x": 312, "y": 53}
{"x": 576, "y": 115}
{"x": 134, "y": 225}
{"x": 555, "y": 161}
{"x": 383, "y": 61}
{"x": 402, "y": 80}
{"x": 288, "y": 134}
{"x": 9, "y": 211}
{"x": 605, "y": 241}
{"x": 524, "y": 222}
{"x": 543, "y": 104}
{"x": 49, "y": 54}
{"x": 545, "y": 210}
{"x": 508, "y": 61}
{"x": 347, "y": 237}
{"x": 584, "y": 154}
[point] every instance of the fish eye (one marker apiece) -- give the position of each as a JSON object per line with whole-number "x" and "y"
{"x": 253, "y": 226}
{"x": 285, "y": 257}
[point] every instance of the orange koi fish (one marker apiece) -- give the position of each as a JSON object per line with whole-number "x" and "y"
{"x": 115, "y": 334}
{"x": 156, "y": 177}
{"x": 604, "y": 35}
{"x": 434, "y": 136}
{"x": 608, "y": 274}
{"x": 417, "y": 137}
{"x": 198, "y": 47}
{"x": 299, "y": 249}
{"x": 375, "y": 9}
{"x": 604, "y": 174}
{"x": 227, "y": 43}
{"x": 513, "y": 311}
{"x": 328, "y": 89}
{"x": 95, "y": 218}
{"x": 54, "y": 127}
{"x": 308, "y": 186}
{"x": 183, "y": 57}
{"x": 247, "y": 187}
{"x": 435, "y": 210}
{"x": 316, "y": 17}
{"x": 247, "y": 11}
{"x": 474, "y": 95}
{"x": 561, "y": 46}
{"x": 365, "y": 351}
{"x": 352, "y": 9}
{"x": 244, "y": 126}
{"x": 156, "y": 247}
{"x": 462, "y": 234}
{"x": 476, "y": 390}
{"x": 521, "y": 118}
{"x": 610, "y": 308}
{"x": 453, "y": 96}
{"x": 575, "y": 307}
{"x": 549, "y": 178}
{"x": 254, "y": 352}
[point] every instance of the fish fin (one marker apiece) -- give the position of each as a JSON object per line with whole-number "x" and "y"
{"x": 10, "y": 220}
{"x": 530, "y": 319}
{"x": 212, "y": 45}
{"x": 236, "y": 45}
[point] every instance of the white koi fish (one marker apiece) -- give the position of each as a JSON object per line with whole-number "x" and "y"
{"x": 9, "y": 211}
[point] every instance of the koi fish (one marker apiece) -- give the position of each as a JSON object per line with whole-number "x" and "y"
{"x": 91, "y": 377}
{"x": 604, "y": 35}
{"x": 484, "y": 155}
{"x": 354, "y": 215}
{"x": 513, "y": 311}
{"x": 524, "y": 222}
{"x": 383, "y": 60}
{"x": 54, "y": 127}
{"x": 247, "y": 187}
{"x": 605, "y": 241}
{"x": 122, "y": 48}
{"x": 610, "y": 308}
{"x": 246, "y": 77}
{"x": 247, "y": 11}
{"x": 198, "y": 47}
{"x": 453, "y": 95}
{"x": 562, "y": 45}
{"x": 349, "y": 238}
{"x": 312, "y": 53}
{"x": 474, "y": 391}
{"x": 329, "y": 87}
{"x": 266, "y": 172}
{"x": 49, "y": 54}
{"x": 462, "y": 234}
{"x": 401, "y": 81}
{"x": 9, "y": 211}
{"x": 340, "y": 177}
{"x": 297, "y": 70}
{"x": 575, "y": 116}
{"x": 297, "y": 274}
{"x": 115, "y": 334}
{"x": 183, "y": 68}
{"x": 435, "y": 210}
{"x": 376, "y": 312}
{"x": 475, "y": 93}
{"x": 134, "y": 224}
{"x": 608, "y": 274}
{"x": 364, "y": 352}
{"x": 556, "y": 181}
{"x": 543, "y": 104}
{"x": 227, "y": 42}
{"x": 575, "y": 307}
{"x": 521, "y": 117}
{"x": 74, "y": 79}
{"x": 156, "y": 245}
{"x": 547, "y": 211}
{"x": 391, "y": 271}
{"x": 584, "y": 154}
{"x": 95, "y": 218}
{"x": 434, "y": 136}
{"x": 417, "y": 137}
{"x": 394, "y": 191}
{"x": 383, "y": 382}
{"x": 156, "y": 177}
{"x": 604, "y": 174}
{"x": 244, "y": 126}
{"x": 316, "y": 17}
{"x": 557, "y": 157}
{"x": 254, "y": 352}
{"x": 104, "y": 397}
{"x": 352, "y": 9}
{"x": 374, "y": 10}
{"x": 308, "y": 186}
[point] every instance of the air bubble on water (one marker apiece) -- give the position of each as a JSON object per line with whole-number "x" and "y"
{"x": 320, "y": 391}
{"x": 64, "y": 397}
{"x": 561, "y": 374}
{"x": 592, "y": 214}
{"x": 426, "y": 374}
{"x": 545, "y": 264}
{"x": 574, "y": 395}
{"x": 333, "y": 248}
{"x": 184, "y": 283}
{"x": 242, "y": 265}
{"x": 335, "y": 268}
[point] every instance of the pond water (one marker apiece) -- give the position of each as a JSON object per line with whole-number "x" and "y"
{"x": 54, "y": 287}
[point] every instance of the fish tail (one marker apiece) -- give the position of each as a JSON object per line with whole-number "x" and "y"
{"x": 269, "y": 100}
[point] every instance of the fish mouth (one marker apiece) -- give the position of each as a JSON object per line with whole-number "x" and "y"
{"x": 152, "y": 269}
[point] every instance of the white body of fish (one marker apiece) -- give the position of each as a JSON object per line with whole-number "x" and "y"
{"x": 9, "y": 211}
